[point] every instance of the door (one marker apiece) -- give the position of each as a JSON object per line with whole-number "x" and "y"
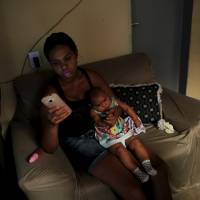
{"x": 159, "y": 29}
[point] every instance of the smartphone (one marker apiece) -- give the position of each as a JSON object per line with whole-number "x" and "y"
{"x": 54, "y": 100}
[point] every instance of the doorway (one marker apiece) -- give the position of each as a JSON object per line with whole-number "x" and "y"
{"x": 161, "y": 29}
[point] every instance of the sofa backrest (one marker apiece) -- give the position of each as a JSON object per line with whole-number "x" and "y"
{"x": 29, "y": 89}
{"x": 128, "y": 69}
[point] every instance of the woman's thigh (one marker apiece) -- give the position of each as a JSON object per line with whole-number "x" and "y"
{"x": 110, "y": 170}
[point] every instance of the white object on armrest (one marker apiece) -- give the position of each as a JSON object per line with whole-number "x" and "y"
{"x": 165, "y": 126}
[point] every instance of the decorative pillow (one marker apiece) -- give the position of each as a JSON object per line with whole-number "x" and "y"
{"x": 145, "y": 99}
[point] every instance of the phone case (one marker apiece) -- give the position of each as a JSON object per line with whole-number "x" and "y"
{"x": 54, "y": 100}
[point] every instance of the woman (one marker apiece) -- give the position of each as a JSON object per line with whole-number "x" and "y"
{"x": 75, "y": 133}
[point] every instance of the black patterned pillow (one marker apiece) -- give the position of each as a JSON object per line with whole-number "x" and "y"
{"x": 145, "y": 99}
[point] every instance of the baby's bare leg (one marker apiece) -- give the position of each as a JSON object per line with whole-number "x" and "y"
{"x": 129, "y": 161}
{"x": 135, "y": 145}
{"x": 125, "y": 156}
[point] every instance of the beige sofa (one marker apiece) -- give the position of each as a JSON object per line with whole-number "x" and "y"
{"x": 52, "y": 176}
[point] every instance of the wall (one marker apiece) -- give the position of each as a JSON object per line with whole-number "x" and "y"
{"x": 193, "y": 80}
{"x": 101, "y": 29}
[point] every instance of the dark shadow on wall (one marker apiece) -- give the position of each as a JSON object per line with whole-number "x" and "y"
{"x": 162, "y": 31}
{"x": 185, "y": 48}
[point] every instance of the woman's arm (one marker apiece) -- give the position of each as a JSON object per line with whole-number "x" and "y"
{"x": 50, "y": 118}
{"x": 130, "y": 111}
{"x": 49, "y": 139}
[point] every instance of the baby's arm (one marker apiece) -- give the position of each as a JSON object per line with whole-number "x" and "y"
{"x": 113, "y": 111}
{"x": 130, "y": 111}
{"x": 112, "y": 115}
{"x": 98, "y": 120}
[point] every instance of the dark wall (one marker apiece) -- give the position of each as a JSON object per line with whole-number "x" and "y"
{"x": 160, "y": 35}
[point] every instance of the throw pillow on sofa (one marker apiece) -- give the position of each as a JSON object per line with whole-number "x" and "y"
{"x": 144, "y": 98}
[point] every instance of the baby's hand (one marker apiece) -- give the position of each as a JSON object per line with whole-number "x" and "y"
{"x": 110, "y": 120}
{"x": 111, "y": 112}
{"x": 112, "y": 116}
{"x": 140, "y": 129}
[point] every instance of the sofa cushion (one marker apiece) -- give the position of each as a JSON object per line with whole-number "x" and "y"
{"x": 144, "y": 98}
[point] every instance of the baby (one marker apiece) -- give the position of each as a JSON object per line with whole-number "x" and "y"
{"x": 120, "y": 137}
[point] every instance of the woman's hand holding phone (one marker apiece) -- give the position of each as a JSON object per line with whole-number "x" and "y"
{"x": 57, "y": 110}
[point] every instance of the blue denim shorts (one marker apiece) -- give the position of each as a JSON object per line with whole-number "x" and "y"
{"x": 83, "y": 151}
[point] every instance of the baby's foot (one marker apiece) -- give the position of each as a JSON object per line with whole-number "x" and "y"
{"x": 149, "y": 168}
{"x": 142, "y": 176}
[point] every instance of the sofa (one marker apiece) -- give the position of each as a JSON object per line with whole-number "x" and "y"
{"x": 52, "y": 175}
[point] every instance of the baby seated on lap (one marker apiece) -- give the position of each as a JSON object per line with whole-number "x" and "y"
{"x": 120, "y": 138}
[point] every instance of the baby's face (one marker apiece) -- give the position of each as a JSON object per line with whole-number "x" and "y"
{"x": 102, "y": 103}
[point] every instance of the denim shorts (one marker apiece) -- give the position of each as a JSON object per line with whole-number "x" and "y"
{"x": 84, "y": 150}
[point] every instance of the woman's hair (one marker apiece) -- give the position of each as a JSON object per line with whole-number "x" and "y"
{"x": 59, "y": 38}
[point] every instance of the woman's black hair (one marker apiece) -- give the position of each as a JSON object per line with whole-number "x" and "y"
{"x": 59, "y": 38}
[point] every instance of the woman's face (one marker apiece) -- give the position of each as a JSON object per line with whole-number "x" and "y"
{"x": 64, "y": 61}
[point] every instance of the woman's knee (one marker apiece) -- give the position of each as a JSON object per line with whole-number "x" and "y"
{"x": 135, "y": 193}
{"x": 118, "y": 178}
{"x": 159, "y": 164}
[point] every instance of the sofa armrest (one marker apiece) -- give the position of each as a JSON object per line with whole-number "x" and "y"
{"x": 182, "y": 111}
{"x": 50, "y": 177}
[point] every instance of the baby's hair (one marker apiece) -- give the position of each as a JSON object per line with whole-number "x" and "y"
{"x": 59, "y": 38}
{"x": 94, "y": 92}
